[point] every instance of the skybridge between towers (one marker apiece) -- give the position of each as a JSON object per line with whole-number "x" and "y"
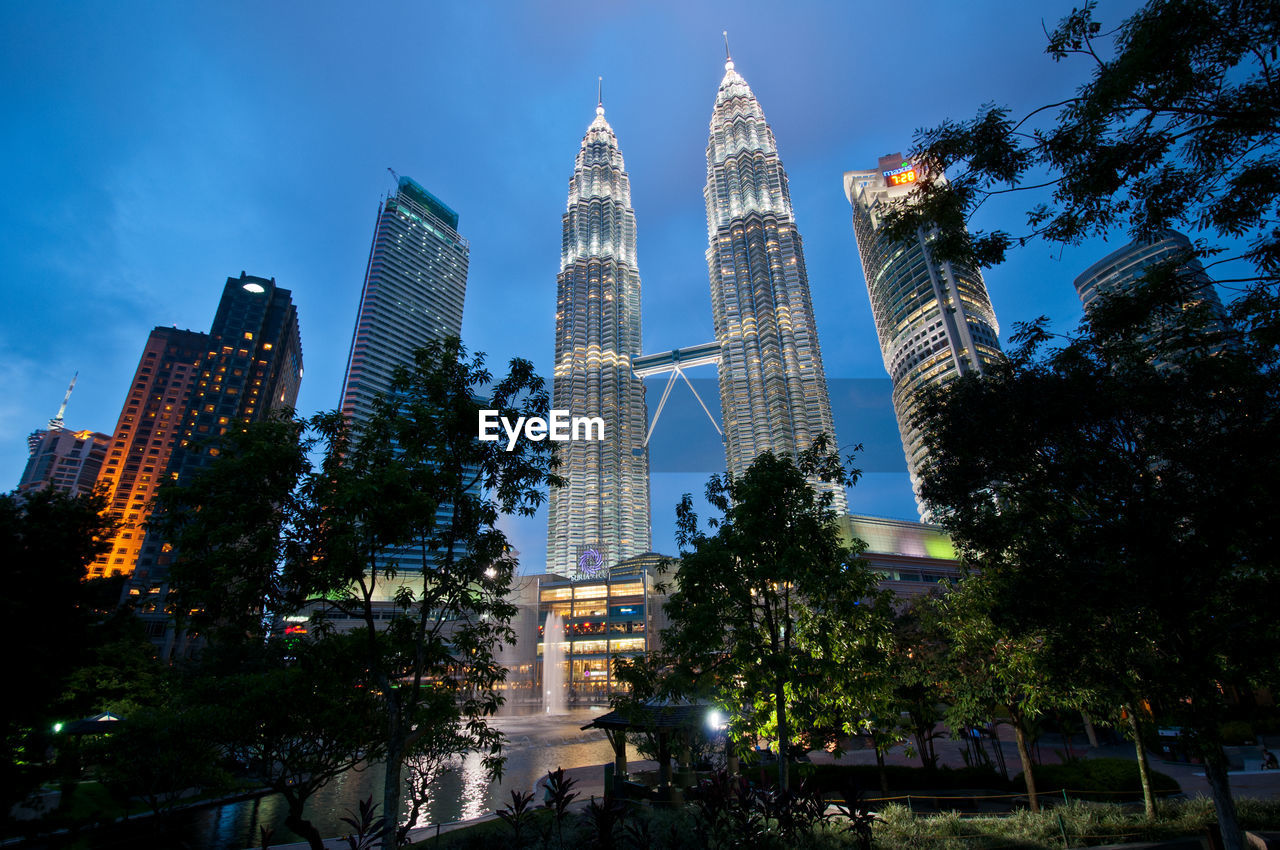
{"x": 673, "y": 363}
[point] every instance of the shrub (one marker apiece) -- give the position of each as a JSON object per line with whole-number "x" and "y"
{"x": 1104, "y": 779}
{"x": 1236, "y": 732}
{"x": 866, "y": 777}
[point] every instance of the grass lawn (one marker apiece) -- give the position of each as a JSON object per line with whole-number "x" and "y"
{"x": 1081, "y": 823}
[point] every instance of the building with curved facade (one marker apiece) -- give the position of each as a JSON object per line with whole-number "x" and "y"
{"x": 773, "y": 389}
{"x": 1124, "y": 267}
{"x": 602, "y": 513}
{"x": 934, "y": 319}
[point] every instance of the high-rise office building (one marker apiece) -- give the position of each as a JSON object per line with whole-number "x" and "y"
{"x": 773, "y": 390}
{"x": 413, "y": 293}
{"x": 602, "y": 512}
{"x": 934, "y": 319}
{"x": 149, "y": 428}
{"x": 251, "y": 367}
{"x": 414, "y": 288}
{"x": 1122, "y": 268}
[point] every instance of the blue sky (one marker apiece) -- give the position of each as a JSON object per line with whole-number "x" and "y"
{"x": 152, "y": 150}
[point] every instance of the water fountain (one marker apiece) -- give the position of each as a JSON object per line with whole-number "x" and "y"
{"x": 553, "y": 678}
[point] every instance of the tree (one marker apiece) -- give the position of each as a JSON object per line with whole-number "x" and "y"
{"x": 1116, "y": 494}
{"x": 119, "y": 672}
{"x": 1177, "y": 127}
{"x": 770, "y": 607}
{"x": 260, "y": 533}
{"x": 917, "y": 667}
{"x": 163, "y": 755}
{"x": 415, "y": 478}
{"x": 300, "y": 717}
{"x": 47, "y": 541}
{"x": 231, "y": 526}
{"x": 433, "y": 753}
{"x": 1130, "y": 472}
{"x": 993, "y": 671}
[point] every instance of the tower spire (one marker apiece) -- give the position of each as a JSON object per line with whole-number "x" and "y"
{"x": 56, "y": 423}
{"x": 600, "y": 95}
{"x": 728, "y": 57}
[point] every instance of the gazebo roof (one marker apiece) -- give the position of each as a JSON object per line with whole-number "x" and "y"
{"x": 92, "y": 725}
{"x": 653, "y": 716}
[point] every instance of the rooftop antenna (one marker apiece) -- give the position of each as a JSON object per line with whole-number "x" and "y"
{"x": 57, "y": 423}
{"x": 600, "y": 94}
{"x": 728, "y": 57}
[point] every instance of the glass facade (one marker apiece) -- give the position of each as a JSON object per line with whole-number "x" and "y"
{"x": 603, "y": 617}
{"x": 934, "y": 320}
{"x": 773, "y": 390}
{"x": 413, "y": 293}
{"x": 1122, "y": 268}
{"x": 602, "y": 512}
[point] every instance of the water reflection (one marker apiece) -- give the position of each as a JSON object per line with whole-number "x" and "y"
{"x": 475, "y": 784}
{"x": 536, "y": 744}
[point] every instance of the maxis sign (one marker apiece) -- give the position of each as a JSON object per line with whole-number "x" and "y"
{"x": 559, "y": 427}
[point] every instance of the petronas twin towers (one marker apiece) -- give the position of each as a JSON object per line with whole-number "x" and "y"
{"x": 602, "y": 513}
{"x": 773, "y": 391}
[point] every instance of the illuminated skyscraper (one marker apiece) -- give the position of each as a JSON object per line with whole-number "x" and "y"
{"x": 413, "y": 292}
{"x": 251, "y": 366}
{"x": 604, "y": 507}
{"x": 773, "y": 390}
{"x": 934, "y": 320}
{"x": 146, "y": 435}
{"x": 1122, "y": 268}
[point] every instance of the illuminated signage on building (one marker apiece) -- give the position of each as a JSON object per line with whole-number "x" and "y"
{"x": 906, "y": 173}
{"x": 590, "y": 565}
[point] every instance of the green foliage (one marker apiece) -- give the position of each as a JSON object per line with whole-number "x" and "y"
{"x": 560, "y": 794}
{"x": 1177, "y": 127}
{"x": 1108, "y": 776}
{"x": 297, "y": 718}
{"x": 897, "y": 827}
{"x": 262, "y": 532}
{"x": 772, "y": 615}
{"x": 1083, "y": 823}
{"x": 605, "y": 818}
{"x": 518, "y": 813}
{"x": 865, "y": 777}
{"x": 366, "y": 824}
{"x": 415, "y": 478}
{"x": 915, "y": 678}
{"x": 120, "y": 672}
{"x": 1098, "y": 488}
{"x": 232, "y": 525}
{"x": 1236, "y": 732}
{"x": 1116, "y": 492}
{"x": 47, "y": 541}
{"x": 162, "y": 755}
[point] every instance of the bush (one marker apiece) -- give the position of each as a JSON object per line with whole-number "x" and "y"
{"x": 896, "y": 827}
{"x": 1105, "y": 778}
{"x": 866, "y": 777}
{"x": 1083, "y": 823}
{"x": 1236, "y": 732}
